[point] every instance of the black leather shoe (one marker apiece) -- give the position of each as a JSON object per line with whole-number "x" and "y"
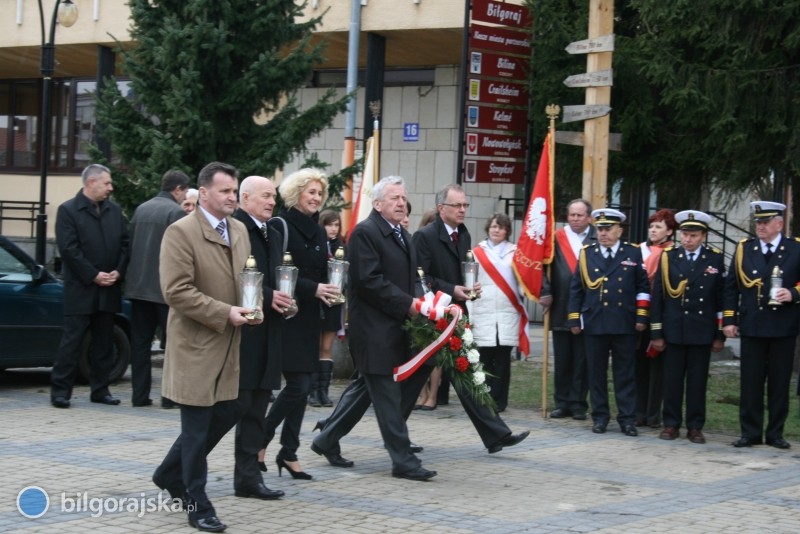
{"x": 630, "y": 430}
{"x": 107, "y": 399}
{"x": 168, "y": 404}
{"x": 176, "y": 491}
{"x": 599, "y": 428}
{"x": 560, "y": 413}
{"x": 259, "y": 491}
{"x": 208, "y": 524}
{"x": 579, "y": 416}
{"x": 60, "y": 402}
{"x": 336, "y": 460}
{"x": 418, "y": 473}
{"x": 146, "y": 402}
{"x": 746, "y": 442}
{"x": 508, "y": 441}
{"x": 416, "y": 448}
{"x": 778, "y": 443}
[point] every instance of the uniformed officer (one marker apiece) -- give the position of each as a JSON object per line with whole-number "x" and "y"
{"x": 765, "y": 312}
{"x": 609, "y": 301}
{"x": 686, "y": 315}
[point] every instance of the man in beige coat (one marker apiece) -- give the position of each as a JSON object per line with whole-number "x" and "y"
{"x": 201, "y": 257}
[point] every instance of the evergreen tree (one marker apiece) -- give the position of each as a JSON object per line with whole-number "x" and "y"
{"x": 212, "y": 81}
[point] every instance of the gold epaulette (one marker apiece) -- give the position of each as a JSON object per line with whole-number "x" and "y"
{"x": 743, "y": 240}
{"x": 587, "y": 245}
{"x": 797, "y": 239}
{"x": 632, "y": 244}
{"x": 715, "y": 250}
{"x": 668, "y": 249}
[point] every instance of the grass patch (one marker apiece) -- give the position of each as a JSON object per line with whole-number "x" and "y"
{"x": 722, "y": 398}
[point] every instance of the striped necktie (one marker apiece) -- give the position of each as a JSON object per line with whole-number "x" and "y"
{"x": 221, "y": 230}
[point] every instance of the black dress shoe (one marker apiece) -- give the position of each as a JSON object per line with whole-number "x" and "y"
{"x": 168, "y": 404}
{"x": 599, "y": 428}
{"x": 746, "y": 442}
{"x": 146, "y": 402}
{"x": 107, "y": 399}
{"x": 579, "y": 416}
{"x": 416, "y": 448}
{"x": 508, "y": 441}
{"x": 336, "y": 460}
{"x": 60, "y": 402}
{"x": 630, "y": 430}
{"x": 778, "y": 443}
{"x": 418, "y": 473}
{"x": 259, "y": 491}
{"x": 560, "y": 413}
{"x": 208, "y": 524}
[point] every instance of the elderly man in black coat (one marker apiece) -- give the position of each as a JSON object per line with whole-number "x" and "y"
{"x": 260, "y": 348}
{"x": 92, "y": 238}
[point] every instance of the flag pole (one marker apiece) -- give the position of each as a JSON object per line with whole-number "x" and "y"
{"x": 552, "y": 113}
{"x": 375, "y": 109}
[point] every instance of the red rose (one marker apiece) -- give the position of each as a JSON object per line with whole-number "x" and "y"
{"x": 441, "y": 324}
{"x": 455, "y": 343}
{"x": 461, "y": 363}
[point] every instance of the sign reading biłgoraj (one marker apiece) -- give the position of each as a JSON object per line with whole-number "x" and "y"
{"x": 496, "y": 111}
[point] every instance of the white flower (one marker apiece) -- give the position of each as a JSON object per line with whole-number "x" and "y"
{"x": 467, "y": 337}
{"x": 473, "y": 356}
{"x": 479, "y": 378}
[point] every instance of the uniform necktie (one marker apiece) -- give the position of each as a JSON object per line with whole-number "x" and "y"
{"x": 608, "y": 255}
{"x": 768, "y": 253}
{"x": 399, "y": 233}
{"x": 454, "y": 237}
{"x": 221, "y": 230}
{"x": 691, "y": 257}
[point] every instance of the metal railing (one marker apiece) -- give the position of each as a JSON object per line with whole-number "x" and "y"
{"x": 28, "y": 210}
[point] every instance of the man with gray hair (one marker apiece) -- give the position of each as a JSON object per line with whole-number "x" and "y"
{"x": 92, "y": 238}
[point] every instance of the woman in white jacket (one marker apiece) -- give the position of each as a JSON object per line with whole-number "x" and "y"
{"x": 498, "y": 317}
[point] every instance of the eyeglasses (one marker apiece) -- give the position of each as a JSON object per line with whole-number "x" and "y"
{"x": 457, "y": 206}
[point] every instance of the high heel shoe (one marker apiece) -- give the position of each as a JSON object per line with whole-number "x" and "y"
{"x": 281, "y": 463}
{"x": 320, "y": 424}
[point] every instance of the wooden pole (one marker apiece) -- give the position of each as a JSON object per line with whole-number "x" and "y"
{"x": 552, "y": 114}
{"x": 595, "y": 148}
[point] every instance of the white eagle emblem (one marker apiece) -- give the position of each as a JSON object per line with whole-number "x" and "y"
{"x": 536, "y": 223}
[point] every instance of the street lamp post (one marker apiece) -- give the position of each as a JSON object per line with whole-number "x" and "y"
{"x": 65, "y": 13}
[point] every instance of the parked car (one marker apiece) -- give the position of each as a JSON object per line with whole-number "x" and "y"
{"x": 32, "y": 317}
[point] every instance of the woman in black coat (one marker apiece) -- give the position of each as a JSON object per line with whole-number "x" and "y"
{"x": 303, "y": 192}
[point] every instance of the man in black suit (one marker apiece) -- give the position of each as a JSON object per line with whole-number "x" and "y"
{"x": 260, "y": 348}
{"x": 609, "y": 302}
{"x": 441, "y": 247}
{"x": 766, "y": 316}
{"x": 686, "y": 315}
{"x": 92, "y": 238}
{"x": 571, "y": 380}
{"x": 382, "y": 273}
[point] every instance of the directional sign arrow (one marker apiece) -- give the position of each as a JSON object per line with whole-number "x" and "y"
{"x": 587, "y": 46}
{"x": 600, "y": 78}
{"x": 580, "y": 113}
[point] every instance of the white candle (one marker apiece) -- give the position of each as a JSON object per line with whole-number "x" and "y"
{"x": 285, "y": 286}
{"x": 469, "y": 279}
{"x": 249, "y": 297}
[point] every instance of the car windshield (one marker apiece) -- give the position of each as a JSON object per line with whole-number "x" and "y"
{"x": 13, "y": 270}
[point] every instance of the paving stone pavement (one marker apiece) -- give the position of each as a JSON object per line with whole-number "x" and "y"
{"x": 562, "y": 478}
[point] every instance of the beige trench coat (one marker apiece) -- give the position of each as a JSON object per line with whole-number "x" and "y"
{"x": 200, "y": 282}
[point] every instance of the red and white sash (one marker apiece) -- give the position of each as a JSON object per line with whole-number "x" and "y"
{"x": 504, "y": 281}
{"x": 566, "y": 249}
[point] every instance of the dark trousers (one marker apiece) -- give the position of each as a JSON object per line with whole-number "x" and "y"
{"x": 622, "y": 348}
{"x": 249, "y": 437}
{"x": 649, "y": 384}
{"x": 497, "y": 361}
{"x": 571, "y": 379}
{"x": 353, "y": 405}
{"x": 289, "y": 408}
{"x": 101, "y": 356}
{"x": 765, "y": 359}
{"x": 202, "y": 427}
{"x": 386, "y": 395}
{"x": 687, "y": 363}
{"x": 146, "y": 316}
